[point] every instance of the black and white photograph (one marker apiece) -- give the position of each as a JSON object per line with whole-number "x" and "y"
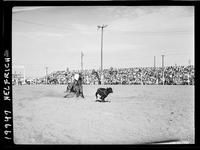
{"x": 103, "y": 75}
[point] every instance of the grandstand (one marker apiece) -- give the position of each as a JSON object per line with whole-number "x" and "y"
{"x": 173, "y": 75}
{"x": 18, "y": 75}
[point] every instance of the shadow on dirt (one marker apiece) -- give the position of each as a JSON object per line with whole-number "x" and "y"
{"x": 101, "y": 101}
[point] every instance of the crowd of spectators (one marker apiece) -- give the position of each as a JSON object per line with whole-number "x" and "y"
{"x": 170, "y": 75}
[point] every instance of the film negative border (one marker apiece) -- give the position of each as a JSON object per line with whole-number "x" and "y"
{"x": 6, "y": 74}
{"x": 6, "y": 70}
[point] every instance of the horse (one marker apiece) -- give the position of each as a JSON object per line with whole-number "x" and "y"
{"x": 75, "y": 88}
{"x": 53, "y": 81}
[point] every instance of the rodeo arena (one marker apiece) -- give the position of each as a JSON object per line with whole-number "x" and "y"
{"x": 139, "y": 105}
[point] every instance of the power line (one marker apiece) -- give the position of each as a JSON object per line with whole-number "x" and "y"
{"x": 25, "y": 9}
{"x": 178, "y": 54}
{"x": 40, "y": 24}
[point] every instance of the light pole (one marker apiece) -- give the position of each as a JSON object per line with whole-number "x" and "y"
{"x": 46, "y": 75}
{"x": 82, "y": 61}
{"x": 102, "y": 27}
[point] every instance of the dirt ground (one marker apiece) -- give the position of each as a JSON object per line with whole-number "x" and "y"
{"x": 137, "y": 114}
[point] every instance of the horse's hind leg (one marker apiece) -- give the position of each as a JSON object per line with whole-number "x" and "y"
{"x": 81, "y": 94}
{"x": 102, "y": 98}
{"x": 77, "y": 94}
{"x": 66, "y": 96}
{"x": 69, "y": 95}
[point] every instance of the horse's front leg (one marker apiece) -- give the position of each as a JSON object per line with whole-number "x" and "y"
{"x": 77, "y": 94}
{"x": 81, "y": 93}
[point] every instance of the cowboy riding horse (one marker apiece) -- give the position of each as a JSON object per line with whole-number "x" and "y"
{"x": 75, "y": 88}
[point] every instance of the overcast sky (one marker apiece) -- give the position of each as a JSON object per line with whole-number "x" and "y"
{"x": 55, "y": 36}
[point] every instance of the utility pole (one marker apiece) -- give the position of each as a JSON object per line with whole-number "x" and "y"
{"x": 155, "y": 69}
{"x": 46, "y": 75}
{"x": 189, "y": 62}
{"x": 163, "y": 61}
{"x": 82, "y": 60}
{"x": 24, "y": 75}
{"x": 163, "y": 68}
{"x": 102, "y": 27}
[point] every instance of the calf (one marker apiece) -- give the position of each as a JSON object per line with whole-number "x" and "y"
{"x": 103, "y": 92}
